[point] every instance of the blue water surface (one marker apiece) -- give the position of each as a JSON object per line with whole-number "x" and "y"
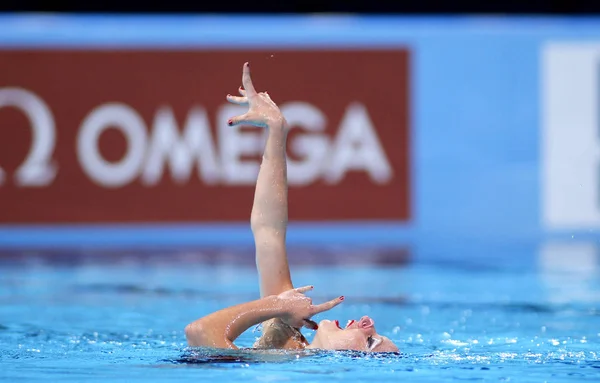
{"x": 109, "y": 316}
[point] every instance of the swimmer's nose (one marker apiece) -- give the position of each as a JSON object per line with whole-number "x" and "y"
{"x": 366, "y": 322}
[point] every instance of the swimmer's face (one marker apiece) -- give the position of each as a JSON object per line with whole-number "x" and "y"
{"x": 358, "y": 335}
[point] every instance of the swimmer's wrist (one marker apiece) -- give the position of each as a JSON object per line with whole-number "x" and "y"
{"x": 277, "y": 123}
{"x": 282, "y": 309}
{"x": 277, "y": 306}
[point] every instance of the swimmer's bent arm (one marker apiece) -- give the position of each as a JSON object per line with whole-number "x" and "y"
{"x": 221, "y": 328}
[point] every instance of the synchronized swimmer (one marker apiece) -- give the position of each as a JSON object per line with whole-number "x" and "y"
{"x": 282, "y": 309}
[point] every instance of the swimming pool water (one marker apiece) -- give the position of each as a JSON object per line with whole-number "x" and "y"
{"x": 67, "y": 317}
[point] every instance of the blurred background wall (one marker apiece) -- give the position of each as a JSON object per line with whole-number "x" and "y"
{"x": 463, "y": 135}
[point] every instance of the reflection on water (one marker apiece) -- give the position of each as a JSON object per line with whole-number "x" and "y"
{"x": 200, "y": 355}
{"x": 105, "y": 314}
{"x": 570, "y": 271}
{"x": 224, "y": 255}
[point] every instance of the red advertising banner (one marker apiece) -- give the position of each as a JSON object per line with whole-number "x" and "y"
{"x": 141, "y": 136}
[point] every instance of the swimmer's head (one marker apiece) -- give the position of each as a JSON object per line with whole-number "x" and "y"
{"x": 357, "y": 335}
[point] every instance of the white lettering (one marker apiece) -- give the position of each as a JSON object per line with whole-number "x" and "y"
{"x": 37, "y": 169}
{"x": 179, "y": 152}
{"x": 129, "y": 122}
{"x": 312, "y": 147}
{"x": 357, "y": 147}
{"x": 234, "y": 143}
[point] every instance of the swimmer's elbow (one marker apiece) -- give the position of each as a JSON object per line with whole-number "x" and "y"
{"x": 189, "y": 329}
{"x": 198, "y": 334}
{"x": 195, "y": 334}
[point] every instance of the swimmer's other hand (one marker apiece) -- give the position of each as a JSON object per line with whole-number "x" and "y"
{"x": 297, "y": 308}
{"x": 262, "y": 111}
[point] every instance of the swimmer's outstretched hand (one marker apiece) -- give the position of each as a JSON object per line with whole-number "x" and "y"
{"x": 262, "y": 111}
{"x": 298, "y": 308}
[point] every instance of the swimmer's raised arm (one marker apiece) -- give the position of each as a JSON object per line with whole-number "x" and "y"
{"x": 221, "y": 328}
{"x": 269, "y": 211}
{"x": 269, "y": 216}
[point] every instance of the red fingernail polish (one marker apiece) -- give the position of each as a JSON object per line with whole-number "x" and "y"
{"x": 316, "y": 327}
{"x": 230, "y": 122}
{"x": 228, "y": 95}
{"x": 342, "y": 298}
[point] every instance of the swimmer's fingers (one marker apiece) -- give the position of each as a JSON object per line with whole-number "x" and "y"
{"x": 304, "y": 289}
{"x": 327, "y": 305}
{"x": 247, "y": 81}
{"x": 241, "y": 119}
{"x": 237, "y": 100}
{"x": 310, "y": 324}
{"x": 249, "y": 118}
